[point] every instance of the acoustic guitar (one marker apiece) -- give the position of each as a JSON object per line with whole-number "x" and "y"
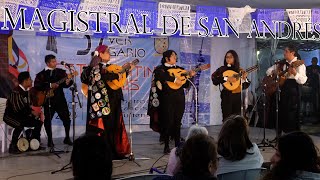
{"x": 39, "y": 97}
{"x": 269, "y": 82}
{"x": 231, "y": 86}
{"x": 119, "y": 83}
{"x": 183, "y": 75}
{"x": 116, "y": 83}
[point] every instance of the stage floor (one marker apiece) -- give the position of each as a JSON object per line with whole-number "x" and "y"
{"x": 40, "y": 164}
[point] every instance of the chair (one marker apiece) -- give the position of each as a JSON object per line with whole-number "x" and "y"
{"x": 249, "y": 174}
{"x": 4, "y": 129}
{"x": 148, "y": 177}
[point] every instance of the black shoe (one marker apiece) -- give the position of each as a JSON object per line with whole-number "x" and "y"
{"x": 50, "y": 144}
{"x": 67, "y": 141}
{"x": 13, "y": 149}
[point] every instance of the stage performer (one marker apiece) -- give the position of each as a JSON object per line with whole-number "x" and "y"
{"x": 170, "y": 102}
{"x": 104, "y": 115}
{"x": 289, "y": 103}
{"x": 45, "y": 80}
{"x": 19, "y": 114}
{"x": 230, "y": 100}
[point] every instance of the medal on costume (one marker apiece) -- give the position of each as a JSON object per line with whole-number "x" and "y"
{"x": 97, "y": 95}
{"x": 95, "y": 107}
{"x": 105, "y": 111}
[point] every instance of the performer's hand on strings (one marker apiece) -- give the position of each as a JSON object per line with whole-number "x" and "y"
{"x": 68, "y": 81}
{"x": 292, "y": 71}
{"x": 244, "y": 75}
{"x": 232, "y": 79}
{"x": 120, "y": 76}
{"x": 178, "y": 81}
{"x": 54, "y": 85}
{"x": 132, "y": 66}
{"x": 192, "y": 73}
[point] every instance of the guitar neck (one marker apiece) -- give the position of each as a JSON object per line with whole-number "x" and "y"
{"x": 249, "y": 70}
{"x": 188, "y": 72}
{"x": 128, "y": 66}
{"x": 61, "y": 80}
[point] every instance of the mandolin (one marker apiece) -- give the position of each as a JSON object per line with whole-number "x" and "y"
{"x": 120, "y": 70}
{"x": 269, "y": 82}
{"x": 230, "y": 73}
{"x": 116, "y": 83}
{"x": 183, "y": 75}
{"x": 39, "y": 97}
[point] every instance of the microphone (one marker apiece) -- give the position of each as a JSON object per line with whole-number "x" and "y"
{"x": 65, "y": 64}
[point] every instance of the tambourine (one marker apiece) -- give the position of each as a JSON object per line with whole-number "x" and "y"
{"x": 23, "y": 144}
{"x": 34, "y": 144}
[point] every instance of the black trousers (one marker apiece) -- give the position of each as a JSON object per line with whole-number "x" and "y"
{"x": 289, "y": 107}
{"x": 230, "y": 103}
{"x": 171, "y": 112}
{"x": 56, "y": 106}
{"x": 28, "y": 122}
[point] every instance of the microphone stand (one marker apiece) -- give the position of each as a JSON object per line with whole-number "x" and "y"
{"x": 131, "y": 156}
{"x": 74, "y": 91}
{"x": 277, "y": 106}
{"x": 195, "y": 83}
{"x": 196, "y": 101}
{"x": 52, "y": 149}
{"x": 264, "y": 142}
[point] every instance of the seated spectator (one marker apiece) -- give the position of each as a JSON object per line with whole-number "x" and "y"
{"x": 19, "y": 113}
{"x": 174, "y": 164}
{"x": 235, "y": 148}
{"x": 91, "y": 158}
{"x": 198, "y": 159}
{"x": 296, "y": 158}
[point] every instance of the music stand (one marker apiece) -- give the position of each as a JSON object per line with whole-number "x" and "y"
{"x": 74, "y": 92}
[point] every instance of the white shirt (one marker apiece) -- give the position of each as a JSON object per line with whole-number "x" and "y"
{"x": 23, "y": 88}
{"x": 300, "y": 77}
{"x": 252, "y": 160}
{"x": 47, "y": 68}
{"x": 169, "y": 65}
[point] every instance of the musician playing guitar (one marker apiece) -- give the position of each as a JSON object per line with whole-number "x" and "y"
{"x": 289, "y": 96}
{"x": 230, "y": 99}
{"x": 104, "y": 113}
{"x": 170, "y": 102}
{"x": 45, "y": 81}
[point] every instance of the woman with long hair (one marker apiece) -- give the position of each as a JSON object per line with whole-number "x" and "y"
{"x": 235, "y": 148}
{"x": 170, "y": 102}
{"x": 296, "y": 158}
{"x": 230, "y": 100}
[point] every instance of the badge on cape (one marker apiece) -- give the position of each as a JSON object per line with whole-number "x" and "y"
{"x": 106, "y": 111}
{"x": 155, "y": 103}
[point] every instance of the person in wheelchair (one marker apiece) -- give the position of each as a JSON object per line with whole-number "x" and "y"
{"x": 19, "y": 114}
